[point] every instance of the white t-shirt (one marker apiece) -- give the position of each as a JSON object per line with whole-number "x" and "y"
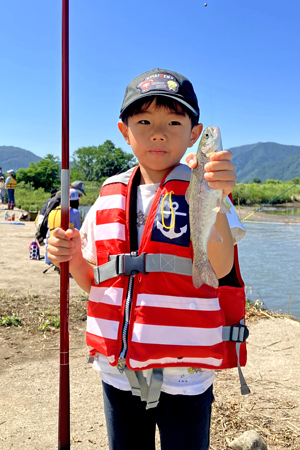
{"x": 176, "y": 380}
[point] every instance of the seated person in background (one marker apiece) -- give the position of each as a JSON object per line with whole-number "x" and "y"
{"x": 44, "y": 207}
{"x": 54, "y": 219}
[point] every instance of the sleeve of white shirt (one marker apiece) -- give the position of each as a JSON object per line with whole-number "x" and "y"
{"x": 238, "y": 230}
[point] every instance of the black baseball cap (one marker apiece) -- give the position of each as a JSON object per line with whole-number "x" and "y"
{"x": 161, "y": 82}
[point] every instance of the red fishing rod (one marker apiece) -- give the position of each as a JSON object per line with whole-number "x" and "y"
{"x": 64, "y": 374}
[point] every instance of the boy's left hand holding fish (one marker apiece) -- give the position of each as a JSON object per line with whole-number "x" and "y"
{"x": 220, "y": 171}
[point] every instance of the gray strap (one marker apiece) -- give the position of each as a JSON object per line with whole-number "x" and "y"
{"x": 154, "y": 388}
{"x": 143, "y": 263}
{"x": 138, "y": 384}
{"x": 244, "y": 387}
{"x": 237, "y": 334}
{"x": 106, "y": 271}
{"x": 140, "y": 388}
{"x": 168, "y": 263}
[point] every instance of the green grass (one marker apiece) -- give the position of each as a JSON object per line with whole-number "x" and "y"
{"x": 29, "y": 199}
{"x": 51, "y": 321}
{"x": 8, "y": 321}
{"x": 261, "y": 193}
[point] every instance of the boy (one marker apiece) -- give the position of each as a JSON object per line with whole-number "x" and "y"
{"x": 142, "y": 319}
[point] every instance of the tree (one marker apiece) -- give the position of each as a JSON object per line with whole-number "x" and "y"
{"x": 45, "y": 173}
{"x": 94, "y": 163}
{"x": 256, "y": 180}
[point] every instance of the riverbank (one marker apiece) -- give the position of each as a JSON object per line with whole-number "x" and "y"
{"x": 29, "y": 365}
{"x": 247, "y": 213}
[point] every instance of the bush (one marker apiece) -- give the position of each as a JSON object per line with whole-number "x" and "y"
{"x": 28, "y": 198}
{"x": 254, "y": 193}
{"x": 274, "y": 182}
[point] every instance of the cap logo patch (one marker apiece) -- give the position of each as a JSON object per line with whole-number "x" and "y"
{"x": 158, "y": 82}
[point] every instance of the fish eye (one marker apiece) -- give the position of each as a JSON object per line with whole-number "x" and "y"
{"x": 206, "y": 135}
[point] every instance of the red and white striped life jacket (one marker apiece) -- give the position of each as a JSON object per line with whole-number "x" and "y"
{"x": 171, "y": 322}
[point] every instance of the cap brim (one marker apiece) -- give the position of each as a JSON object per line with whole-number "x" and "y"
{"x": 159, "y": 93}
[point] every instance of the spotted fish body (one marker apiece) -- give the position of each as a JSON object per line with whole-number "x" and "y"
{"x": 204, "y": 204}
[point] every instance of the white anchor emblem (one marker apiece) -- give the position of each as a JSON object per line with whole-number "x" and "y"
{"x": 170, "y": 233}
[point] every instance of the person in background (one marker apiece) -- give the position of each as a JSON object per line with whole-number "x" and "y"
{"x": 79, "y": 186}
{"x": 44, "y": 207}
{"x": 53, "y": 203}
{"x": 75, "y": 218}
{"x": 2, "y": 189}
{"x": 54, "y": 219}
{"x": 10, "y": 185}
{"x": 2, "y": 174}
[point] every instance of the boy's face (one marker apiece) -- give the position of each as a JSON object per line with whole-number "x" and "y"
{"x": 159, "y": 138}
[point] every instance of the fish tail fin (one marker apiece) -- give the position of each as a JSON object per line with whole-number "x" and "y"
{"x": 204, "y": 274}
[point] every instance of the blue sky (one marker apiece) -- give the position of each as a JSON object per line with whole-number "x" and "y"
{"x": 243, "y": 58}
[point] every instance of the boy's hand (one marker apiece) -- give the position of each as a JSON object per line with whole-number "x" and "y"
{"x": 220, "y": 171}
{"x": 64, "y": 246}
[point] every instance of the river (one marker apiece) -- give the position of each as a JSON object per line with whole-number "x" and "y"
{"x": 270, "y": 264}
{"x": 270, "y": 261}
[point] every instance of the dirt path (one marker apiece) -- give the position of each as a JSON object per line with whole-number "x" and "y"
{"x": 29, "y": 366}
{"x": 18, "y": 273}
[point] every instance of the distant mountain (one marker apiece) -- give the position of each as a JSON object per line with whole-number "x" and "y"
{"x": 16, "y": 158}
{"x": 266, "y": 160}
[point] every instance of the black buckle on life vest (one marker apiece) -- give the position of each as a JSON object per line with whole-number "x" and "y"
{"x": 238, "y": 333}
{"x": 130, "y": 264}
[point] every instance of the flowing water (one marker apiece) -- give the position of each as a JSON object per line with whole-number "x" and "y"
{"x": 269, "y": 258}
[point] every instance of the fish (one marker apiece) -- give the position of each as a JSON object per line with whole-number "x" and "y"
{"x": 204, "y": 204}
